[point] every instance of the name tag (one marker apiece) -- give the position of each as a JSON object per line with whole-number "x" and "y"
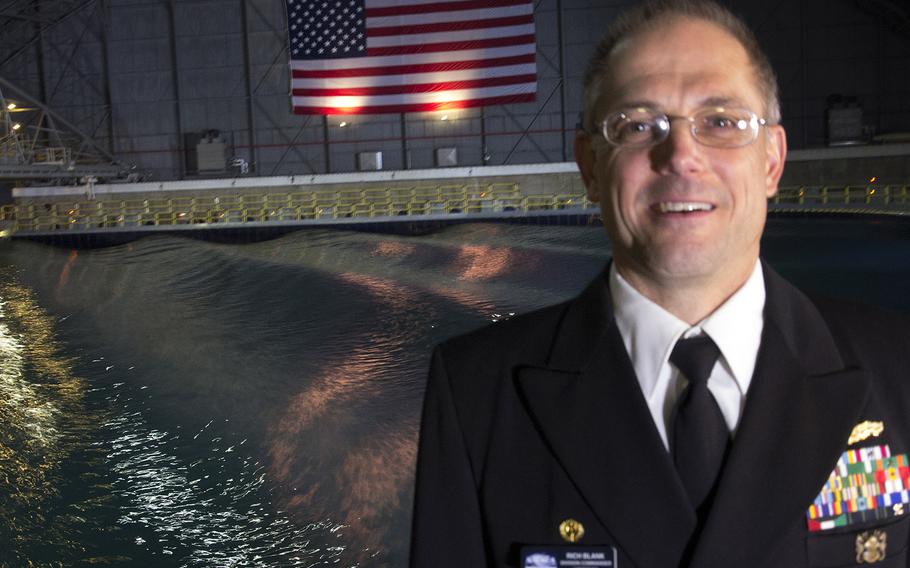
{"x": 568, "y": 557}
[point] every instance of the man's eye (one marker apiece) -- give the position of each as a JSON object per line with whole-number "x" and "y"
{"x": 721, "y": 122}
{"x": 635, "y": 128}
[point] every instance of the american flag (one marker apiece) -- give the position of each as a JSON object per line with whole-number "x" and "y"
{"x": 381, "y": 56}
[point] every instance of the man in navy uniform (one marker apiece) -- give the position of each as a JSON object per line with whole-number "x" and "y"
{"x": 690, "y": 407}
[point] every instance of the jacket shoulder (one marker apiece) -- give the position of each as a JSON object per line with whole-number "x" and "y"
{"x": 525, "y": 338}
{"x": 862, "y": 322}
{"x": 869, "y": 337}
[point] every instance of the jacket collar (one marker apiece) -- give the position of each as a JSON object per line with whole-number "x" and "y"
{"x": 590, "y": 409}
{"x": 799, "y": 411}
{"x": 798, "y": 416}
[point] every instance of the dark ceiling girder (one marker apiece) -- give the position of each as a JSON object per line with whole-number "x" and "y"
{"x": 44, "y": 24}
{"x": 59, "y": 120}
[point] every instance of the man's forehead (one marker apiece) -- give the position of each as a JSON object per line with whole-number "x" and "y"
{"x": 681, "y": 58}
{"x": 675, "y": 35}
{"x": 691, "y": 91}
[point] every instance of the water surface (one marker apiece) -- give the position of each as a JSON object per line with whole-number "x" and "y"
{"x": 173, "y": 402}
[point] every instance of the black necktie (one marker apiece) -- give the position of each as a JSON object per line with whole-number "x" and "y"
{"x": 700, "y": 435}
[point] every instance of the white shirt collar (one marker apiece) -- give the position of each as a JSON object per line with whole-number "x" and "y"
{"x": 736, "y": 327}
{"x": 650, "y": 332}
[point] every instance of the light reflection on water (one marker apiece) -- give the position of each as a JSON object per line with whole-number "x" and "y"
{"x": 211, "y": 511}
{"x": 135, "y": 498}
{"x": 43, "y": 425}
{"x": 180, "y": 403}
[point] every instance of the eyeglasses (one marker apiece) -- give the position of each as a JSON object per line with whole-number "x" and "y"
{"x": 718, "y": 127}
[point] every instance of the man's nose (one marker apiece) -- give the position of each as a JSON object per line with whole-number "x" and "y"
{"x": 679, "y": 153}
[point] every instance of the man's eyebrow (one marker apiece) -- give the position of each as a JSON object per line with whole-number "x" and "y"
{"x": 714, "y": 101}
{"x": 638, "y": 104}
{"x": 720, "y": 102}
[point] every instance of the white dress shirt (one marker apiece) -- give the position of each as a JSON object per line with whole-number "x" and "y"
{"x": 649, "y": 333}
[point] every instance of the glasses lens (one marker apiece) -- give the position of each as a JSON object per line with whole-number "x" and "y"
{"x": 725, "y": 127}
{"x": 635, "y": 127}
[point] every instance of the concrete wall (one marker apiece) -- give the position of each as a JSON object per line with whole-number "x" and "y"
{"x": 845, "y": 166}
{"x": 856, "y": 165}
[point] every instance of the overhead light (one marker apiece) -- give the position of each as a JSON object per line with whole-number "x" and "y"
{"x": 17, "y": 126}
{"x": 342, "y": 124}
{"x": 872, "y": 180}
{"x": 444, "y": 117}
{"x": 10, "y": 106}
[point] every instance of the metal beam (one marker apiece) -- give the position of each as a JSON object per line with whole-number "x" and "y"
{"x": 25, "y": 45}
{"x": 105, "y": 18}
{"x": 562, "y": 80}
{"x": 530, "y": 124}
{"x": 255, "y": 90}
{"x": 524, "y": 130}
{"x": 287, "y": 140}
{"x": 39, "y": 62}
{"x": 69, "y": 64}
{"x": 175, "y": 75}
{"x": 405, "y": 162}
{"x": 21, "y": 172}
{"x": 86, "y": 140}
{"x": 292, "y": 145}
{"x": 248, "y": 84}
{"x": 325, "y": 144}
{"x": 484, "y": 157}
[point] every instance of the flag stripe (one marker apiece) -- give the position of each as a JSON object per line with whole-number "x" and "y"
{"x": 415, "y": 78}
{"x": 449, "y": 26}
{"x": 416, "y": 88}
{"x": 438, "y": 7}
{"x": 414, "y": 69}
{"x": 449, "y": 46}
{"x": 440, "y": 97}
{"x": 387, "y": 3}
{"x": 424, "y": 107}
{"x": 482, "y": 13}
{"x": 420, "y": 40}
{"x": 494, "y": 54}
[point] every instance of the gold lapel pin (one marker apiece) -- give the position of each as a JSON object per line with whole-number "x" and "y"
{"x": 870, "y": 546}
{"x": 864, "y": 430}
{"x": 571, "y": 530}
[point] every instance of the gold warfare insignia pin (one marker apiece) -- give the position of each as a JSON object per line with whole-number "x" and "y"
{"x": 571, "y": 530}
{"x": 864, "y": 430}
{"x": 870, "y": 546}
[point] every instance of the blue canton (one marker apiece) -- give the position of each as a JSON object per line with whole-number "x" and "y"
{"x": 327, "y": 29}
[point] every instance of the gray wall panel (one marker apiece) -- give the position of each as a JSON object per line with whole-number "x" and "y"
{"x": 818, "y": 48}
{"x": 148, "y": 20}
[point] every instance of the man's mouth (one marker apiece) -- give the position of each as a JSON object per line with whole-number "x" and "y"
{"x": 684, "y": 206}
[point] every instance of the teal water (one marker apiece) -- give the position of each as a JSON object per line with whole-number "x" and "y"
{"x": 173, "y": 402}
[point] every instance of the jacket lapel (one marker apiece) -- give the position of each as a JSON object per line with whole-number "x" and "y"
{"x": 591, "y": 412}
{"x": 799, "y": 412}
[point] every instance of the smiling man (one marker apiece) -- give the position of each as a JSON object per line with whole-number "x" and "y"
{"x": 680, "y": 162}
{"x": 690, "y": 407}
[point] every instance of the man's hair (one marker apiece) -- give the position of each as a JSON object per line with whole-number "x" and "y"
{"x": 651, "y": 13}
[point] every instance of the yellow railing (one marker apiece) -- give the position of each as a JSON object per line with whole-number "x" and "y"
{"x": 844, "y": 195}
{"x": 86, "y": 214}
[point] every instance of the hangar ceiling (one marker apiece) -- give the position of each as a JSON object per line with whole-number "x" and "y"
{"x": 36, "y": 142}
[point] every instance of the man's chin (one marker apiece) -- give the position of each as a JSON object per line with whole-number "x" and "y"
{"x": 687, "y": 263}
{"x": 701, "y": 266}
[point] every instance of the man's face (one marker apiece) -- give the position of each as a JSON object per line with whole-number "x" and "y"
{"x": 677, "y": 68}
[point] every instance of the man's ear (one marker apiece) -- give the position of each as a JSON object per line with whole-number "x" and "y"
{"x": 585, "y": 158}
{"x": 776, "y": 150}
